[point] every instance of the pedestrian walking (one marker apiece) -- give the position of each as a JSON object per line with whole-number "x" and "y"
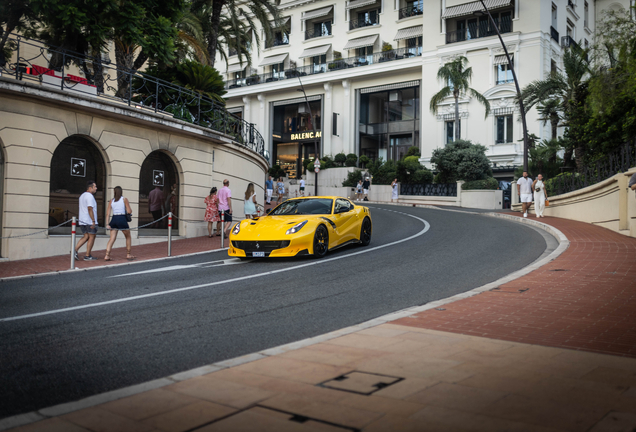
{"x": 212, "y": 212}
{"x": 87, "y": 221}
{"x": 632, "y": 182}
{"x": 366, "y": 184}
{"x": 120, "y": 207}
{"x": 269, "y": 188}
{"x": 302, "y": 186}
{"x": 250, "y": 202}
{"x": 540, "y": 195}
{"x": 524, "y": 189}
{"x": 280, "y": 190}
{"x": 225, "y": 205}
{"x": 394, "y": 190}
{"x": 359, "y": 191}
{"x": 155, "y": 205}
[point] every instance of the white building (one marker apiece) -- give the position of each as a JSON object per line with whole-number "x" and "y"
{"x": 369, "y": 69}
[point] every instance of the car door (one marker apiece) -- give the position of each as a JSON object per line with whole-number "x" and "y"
{"x": 344, "y": 218}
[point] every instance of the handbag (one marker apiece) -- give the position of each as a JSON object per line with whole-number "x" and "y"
{"x": 129, "y": 217}
{"x": 547, "y": 203}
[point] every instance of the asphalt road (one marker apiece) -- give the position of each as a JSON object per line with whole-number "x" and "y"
{"x": 136, "y": 323}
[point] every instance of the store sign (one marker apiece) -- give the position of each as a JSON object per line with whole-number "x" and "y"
{"x": 78, "y": 167}
{"x": 157, "y": 178}
{"x": 305, "y": 136}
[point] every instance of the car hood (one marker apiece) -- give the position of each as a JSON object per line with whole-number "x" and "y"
{"x": 277, "y": 224}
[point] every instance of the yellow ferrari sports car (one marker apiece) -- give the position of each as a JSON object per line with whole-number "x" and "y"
{"x": 302, "y": 226}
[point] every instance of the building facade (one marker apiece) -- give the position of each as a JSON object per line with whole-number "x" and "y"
{"x": 369, "y": 71}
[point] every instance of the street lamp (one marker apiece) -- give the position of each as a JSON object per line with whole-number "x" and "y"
{"x": 313, "y": 126}
{"x": 514, "y": 77}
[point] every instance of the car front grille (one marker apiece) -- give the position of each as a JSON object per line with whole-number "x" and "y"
{"x": 260, "y": 246}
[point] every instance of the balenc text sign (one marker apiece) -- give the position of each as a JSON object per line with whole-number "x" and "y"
{"x": 305, "y": 135}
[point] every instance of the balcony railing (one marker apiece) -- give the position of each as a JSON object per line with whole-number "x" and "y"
{"x": 332, "y": 66}
{"x": 366, "y": 22}
{"x": 276, "y": 42}
{"x": 30, "y": 61}
{"x": 505, "y": 81}
{"x": 312, "y": 33}
{"x": 569, "y": 42}
{"x": 479, "y": 31}
{"x": 554, "y": 34}
{"x": 410, "y": 11}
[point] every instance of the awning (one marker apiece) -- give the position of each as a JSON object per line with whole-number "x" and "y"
{"x": 409, "y": 33}
{"x": 274, "y": 59}
{"x": 317, "y": 13}
{"x": 236, "y": 67}
{"x": 359, "y": 3}
{"x": 470, "y": 8}
{"x": 361, "y": 42}
{"x": 315, "y": 51}
{"x": 283, "y": 21}
{"x": 501, "y": 59}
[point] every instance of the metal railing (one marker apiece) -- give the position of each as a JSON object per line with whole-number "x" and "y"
{"x": 313, "y": 33}
{"x": 331, "y": 66}
{"x": 554, "y": 34}
{"x": 479, "y": 31}
{"x": 429, "y": 189}
{"x": 621, "y": 160}
{"x": 100, "y": 79}
{"x": 410, "y": 11}
{"x": 505, "y": 81}
{"x": 372, "y": 20}
{"x": 276, "y": 42}
{"x": 569, "y": 42}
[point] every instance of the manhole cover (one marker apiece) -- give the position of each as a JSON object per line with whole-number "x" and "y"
{"x": 361, "y": 382}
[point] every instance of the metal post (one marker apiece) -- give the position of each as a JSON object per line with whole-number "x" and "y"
{"x": 169, "y": 233}
{"x": 73, "y": 226}
{"x": 222, "y": 232}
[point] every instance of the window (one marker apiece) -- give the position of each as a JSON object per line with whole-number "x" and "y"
{"x": 571, "y": 30}
{"x": 586, "y": 14}
{"x": 553, "y": 67}
{"x": 318, "y": 29}
{"x": 474, "y": 28}
{"x": 504, "y": 74}
{"x": 554, "y": 16}
{"x": 365, "y": 54}
{"x": 318, "y": 63}
{"x": 504, "y": 129}
{"x": 414, "y": 45}
{"x": 450, "y": 131}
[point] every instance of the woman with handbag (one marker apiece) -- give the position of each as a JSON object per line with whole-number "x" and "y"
{"x": 122, "y": 214}
{"x": 540, "y": 195}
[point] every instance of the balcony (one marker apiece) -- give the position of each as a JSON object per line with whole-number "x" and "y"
{"x": 478, "y": 31}
{"x": 569, "y": 42}
{"x": 332, "y": 66}
{"x": 410, "y": 11}
{"x": 276, "y": 42}
{"x": 371, "y": 20}
{"x": 315, "y": 33}
{"x": 554, "y": 34}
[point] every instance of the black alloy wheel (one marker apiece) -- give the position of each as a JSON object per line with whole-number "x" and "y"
{"x": 365, "y": 232}
{"x": 321, "y": 242}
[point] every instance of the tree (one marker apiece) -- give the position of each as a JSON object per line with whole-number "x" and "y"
{"x": 14, "y": 15}
{"x": 549, "y": 111}
{"x": 239, "y": 23}
{"x": 461, "y": 160}
{"x": 457, "y": 77}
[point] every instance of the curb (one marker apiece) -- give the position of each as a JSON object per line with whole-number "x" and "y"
{"x": 65, "y": 408}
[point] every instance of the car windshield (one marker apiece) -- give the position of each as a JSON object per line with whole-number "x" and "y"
{"x": 304, "y": 206}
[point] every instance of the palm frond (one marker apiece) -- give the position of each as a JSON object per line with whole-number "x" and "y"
{"x": 439, "y": 98}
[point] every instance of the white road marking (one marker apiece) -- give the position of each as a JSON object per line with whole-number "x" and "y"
{"x": 223, "y": 282}
{"x": 208, "y": 264}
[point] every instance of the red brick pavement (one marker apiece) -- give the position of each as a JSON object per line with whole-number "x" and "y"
{"x": 585, "y": 299}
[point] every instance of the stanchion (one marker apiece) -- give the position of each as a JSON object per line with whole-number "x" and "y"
{"x": 169, "y": 233}
{"x": 222, "y": 232}
{"x": 73, "y": 226}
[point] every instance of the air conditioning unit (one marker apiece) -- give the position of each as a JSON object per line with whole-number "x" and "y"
{"x": 395, "y": 96}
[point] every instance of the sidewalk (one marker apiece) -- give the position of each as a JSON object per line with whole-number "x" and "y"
{"x": 554, "y": 350}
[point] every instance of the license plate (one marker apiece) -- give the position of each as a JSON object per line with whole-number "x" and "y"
{"x": 258, "y": 254}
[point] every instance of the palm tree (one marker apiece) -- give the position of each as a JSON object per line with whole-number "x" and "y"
{"x": 550, "y": 111}
{"x": 458, "y": 77}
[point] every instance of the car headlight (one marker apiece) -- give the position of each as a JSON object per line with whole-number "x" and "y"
{"x": 237, "y": 228}
{"x": 296, "y": 228}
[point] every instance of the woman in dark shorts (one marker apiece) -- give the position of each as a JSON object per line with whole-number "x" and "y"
{"x": 120, "y": 206}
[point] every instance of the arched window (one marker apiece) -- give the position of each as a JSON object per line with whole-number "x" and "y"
{"x": 75, "y": 161}
{"x": 158, "y": 193}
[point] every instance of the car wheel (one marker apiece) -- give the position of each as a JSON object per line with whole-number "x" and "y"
{"x": 321, "y": 242}
{"x": 365, "y": 232}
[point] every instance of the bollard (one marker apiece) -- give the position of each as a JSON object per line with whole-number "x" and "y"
{"x": 222, "y": 232}
{"x": 169, "y": 233}
{"x": 73, "y": 226}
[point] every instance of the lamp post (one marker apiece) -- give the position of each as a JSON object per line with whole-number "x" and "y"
{"x": 313, "y": 126}
{"x": 514, "y": 77}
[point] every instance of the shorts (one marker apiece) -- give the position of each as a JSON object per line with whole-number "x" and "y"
{"x": 225, "y": 215}
{"x": 156, "y": 214}
{"x": 119, "y": 222}
{"x": 526, "y": 198}
{"x": 366, "y": 191}
{"x": 86, "y": 229}
{"x": 302, "y": 188}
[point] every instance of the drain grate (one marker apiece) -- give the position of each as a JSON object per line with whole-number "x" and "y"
{"x": 363, "y": 383}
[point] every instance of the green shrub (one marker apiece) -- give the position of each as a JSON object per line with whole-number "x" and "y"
{"x": 326, "y": 162}
{"x": 383, "y": 172}
{"x": 461, "y": 160}
{"x": 411, "y": 171}
{"x": 489, "y": 183}
{"x": 413, "y": 151}
{"x": 364, "y": 160}
{"x": 340, "y": 159}
{"x": 352, "y": 178}
{"x": 276, "y": 171}
{"x": 352, "y": 160}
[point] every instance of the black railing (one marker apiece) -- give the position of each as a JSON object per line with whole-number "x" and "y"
{"x": 365, "y": 22}
{"x": 568, "y": 41}
{"x": 621, "y": 160}
{"x": 554, "y": 34}
{"x": 314, "y": 33}
{"x": 505, "y": 81}
{"x": 139, "y": 90}
{"x": 481, "y": 30}
{"x": 410, "y": 11}
{"x": 276, "y": 42}
{"x": 332, "y": 66}
{"x": 429, "y": 189}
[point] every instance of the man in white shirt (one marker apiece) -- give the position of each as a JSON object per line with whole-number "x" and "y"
{"x": 524, "y": 189}
{"x": 87, "y": 220}
{"x": 302, "y": 187}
